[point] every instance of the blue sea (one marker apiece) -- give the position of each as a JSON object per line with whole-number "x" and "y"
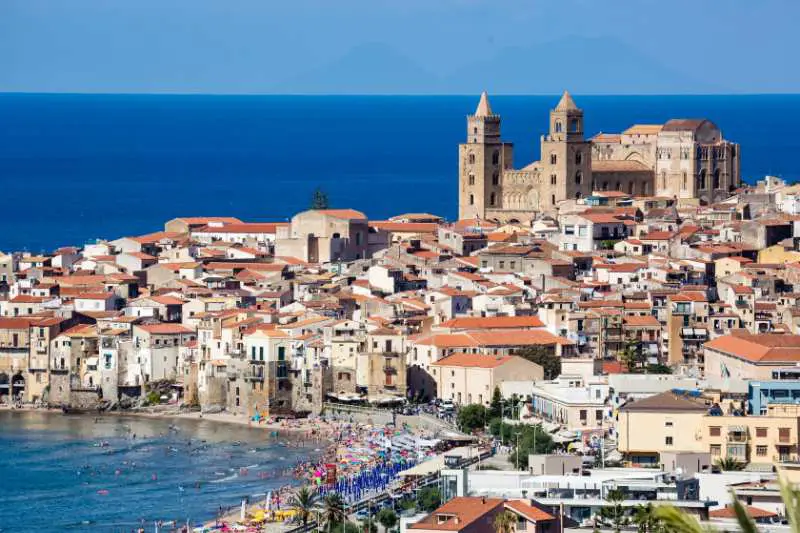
{"x": 79, "y": 167}
{"x": 57, "y": 478}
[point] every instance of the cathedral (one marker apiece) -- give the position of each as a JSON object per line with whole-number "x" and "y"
{"x": 686, "y": 159}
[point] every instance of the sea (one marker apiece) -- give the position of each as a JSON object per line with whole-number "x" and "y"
{"x": 75, "y": 473}
{"x": 75, "y": 168}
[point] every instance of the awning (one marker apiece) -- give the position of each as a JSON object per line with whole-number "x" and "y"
{"x": 737, "y": 429}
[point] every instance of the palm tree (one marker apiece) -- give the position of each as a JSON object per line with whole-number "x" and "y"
{"x": 729, "y": 464}
{"x": 504, "y": 522}
{"x": 333, "y": 509}
{"x": 674, "y": 520}
{"x": 304, "y": 502}
{"x": 645, "y": 519}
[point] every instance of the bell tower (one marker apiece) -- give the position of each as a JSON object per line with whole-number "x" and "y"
{"x": 480, "y": 163}
{"x": 566, "y": 157}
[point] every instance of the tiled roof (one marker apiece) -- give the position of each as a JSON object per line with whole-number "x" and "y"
{"x": 495, "y": 322}
{"x": 471, "y": 360}
{"x": 765, "y": 348}
{"x": 165, "y": 329}
{"x": 458, "y": 514}
{"x": 729, "y": 512}
{"x": 528, "y": 511}
{"x": 344, "y": 213}
{"x": 666, "y": 401}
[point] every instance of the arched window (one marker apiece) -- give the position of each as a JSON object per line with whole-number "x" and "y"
{"x": 496, "y": 178}
{"x": 491, "y": 199}
{"x": 716, "y": 179}
{"x": 701, "y": 180}
{"x": 471, "y": 158}
{"x": 618, "y": 188}
{"x": 553, "y": 179}
{"x": 472, "y": 179}
{"x": 553, "y": 159}
{"x": 605, "y": 185}
{"x": 557, "y": 127}
{"x": 578, "y": 157}
{"x": 336, "y": 236}
{"x": 574, "y": 125}
{"x": 475, "y": 131}
{"x": 471, "y": 199}
{"x": 630, "y": 187}
{"x": 578, "y": 177}
{"x": 496, "y": 157}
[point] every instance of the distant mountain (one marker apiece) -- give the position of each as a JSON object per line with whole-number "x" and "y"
{"x": 582, "y": 65}
{"x": 372, "y": 68}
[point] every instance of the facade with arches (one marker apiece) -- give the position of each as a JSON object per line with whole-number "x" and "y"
{"x": 684, "y": 158}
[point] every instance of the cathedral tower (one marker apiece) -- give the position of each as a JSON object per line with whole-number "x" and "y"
{"x": 566, "y": 157}
{"x": 480, "y": 163}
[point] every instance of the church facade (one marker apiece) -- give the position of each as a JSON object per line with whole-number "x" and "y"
{"x": 684, "y": 158}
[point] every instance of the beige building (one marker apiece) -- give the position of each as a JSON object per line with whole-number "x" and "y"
{"x": 324, "y": 236}
{"x": 471, "y": 378}
{"x": 746, "y": 356}
{"x": 665, "y": 422}
{"x": 683, "y": 158}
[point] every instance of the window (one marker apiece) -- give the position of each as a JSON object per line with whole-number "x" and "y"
{"x": 252, "y": 352}
{"x": 583, "y": 415}
{"x": 260, "y": 353}
{"x": 578, "y": 177}
{"x": 578, "y": 157}
{"x": 512, "y": 265}
{"x": 495, "y": 179}
{"x": 598, "y": 414}
{"x": 557, "y": 126}
{"x": 472, "y": 156}
{"x": 472, "y": 179}
{"x": 714, "y": 431}
{"x": 553, "y": 199}
{"x": 553, "y": 159}
{"x": 716, "y": 179}
{"x": 496, "y": 157}
{"x": 471, "y": 199}
{"x": 582, "y": 231}
{"x": 569, "y": 229}
{"x": 668, "y": 423}
{"x": 684, "y": 181}
{"x": 491, "y": 199}
{"x": 574, "y": 125}
{"x": 783, "y": 434}
{"x": 502, "y": 265}
{"x": 761, "y": 432}
{"x": 668, "y": 441}
{"x": 553, "y": 179}
{"x": 761, "y": 451}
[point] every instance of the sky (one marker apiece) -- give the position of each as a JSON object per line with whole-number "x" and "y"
{"x": 400, "y": 46}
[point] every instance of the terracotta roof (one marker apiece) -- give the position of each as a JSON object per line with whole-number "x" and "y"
{"x": 243, "y": 227}
{"x": 729, "y": 512}
{"x": 27, "y": 299}
{"x": 157, "y": 236}
{"x": 472, "y": 360}
{"x": 458, "y": 513}
{"x": 407, "y": 227}
{"x": 495, "y": 322}
{"x": 666, "y": 401}
{"x": 344, "y": 213}
{"x": 607, "y": 137}
{"x": 684, "y": 124}
{"x": 643, "y": 129}
{"x": 165, "y": 329}
{"x": 764, "y": 348}
{"x": 206, "y": 220}
{"x": 486, "y": 338}
{"x": 260, "y": 267}
{"x": 528, "y": 511}
{"x": 648, "y": 320}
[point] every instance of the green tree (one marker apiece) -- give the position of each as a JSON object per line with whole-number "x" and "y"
{"x": 319, "y": 200}
{"x": 632, "y": 355}
{"x": 527, "y": 440}
{"x": 645, "y": 518}
{"x": 333, "y": 509}
{"x": 543, "y": 357}
{"x": 387, "y": 518}
{"x": 614, "y": 515}
{"x": 729, "y": 464}
{"x": 471, "y": 417}
{"x": 346, "y": 527}
{"x": 304, "y": 503}
{"x": 496, "y": 407}
{"x": 428, "y": 499}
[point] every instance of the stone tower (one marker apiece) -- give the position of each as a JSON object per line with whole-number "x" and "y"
{"x": 566, "y": 157}
{"x": 480, "y": 163}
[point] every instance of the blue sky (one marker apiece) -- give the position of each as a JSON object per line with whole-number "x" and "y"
{"x": 400, "y": 46}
